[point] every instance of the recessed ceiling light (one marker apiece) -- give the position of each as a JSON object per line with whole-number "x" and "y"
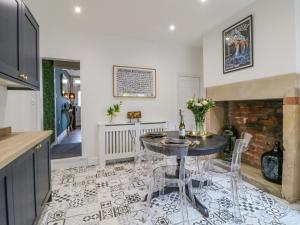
{"x": 203, "y": 0}
{"x": 172, "y": 27}
{"x": 77, "y": 9}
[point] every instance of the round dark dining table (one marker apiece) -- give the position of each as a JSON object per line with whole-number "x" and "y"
{"x": 207, "y": 146}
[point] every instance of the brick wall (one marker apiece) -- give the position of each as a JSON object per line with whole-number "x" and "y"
{"x": 262, "y": 119}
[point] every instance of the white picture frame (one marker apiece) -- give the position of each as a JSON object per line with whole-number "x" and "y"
{"x": 134, "y": 82}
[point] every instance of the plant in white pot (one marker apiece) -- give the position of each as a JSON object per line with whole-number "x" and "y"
{"x": 113, "y": 110}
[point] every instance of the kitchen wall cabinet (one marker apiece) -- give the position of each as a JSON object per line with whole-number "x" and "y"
{"x": 19, "y": 44}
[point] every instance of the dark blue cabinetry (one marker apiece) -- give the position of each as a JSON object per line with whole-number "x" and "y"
{"x": 19, "y": 44}
{"x": 6, "y": 197}
{"x": 25, "y": 186}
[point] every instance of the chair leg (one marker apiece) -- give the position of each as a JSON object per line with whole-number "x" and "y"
{"x": 235, "y": 199}
{"x": 147, "y": 211}
{"x": 183, "y": 202}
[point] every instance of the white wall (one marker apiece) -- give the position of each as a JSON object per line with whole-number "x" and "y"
{"x": 297, "y": 7}
{"x": 3, "y": 94}
{"x": 21, "y": 112}
{"x": 274, "y": 43}
{"x": 97, "y": 55}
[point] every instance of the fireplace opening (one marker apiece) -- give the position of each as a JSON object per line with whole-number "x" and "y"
{"x": 261, "y": 118}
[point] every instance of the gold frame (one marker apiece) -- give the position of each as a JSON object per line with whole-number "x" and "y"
{"x": 113, "y": 77}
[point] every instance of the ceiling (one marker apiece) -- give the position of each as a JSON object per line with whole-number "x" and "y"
{"x": 142, "y": 19}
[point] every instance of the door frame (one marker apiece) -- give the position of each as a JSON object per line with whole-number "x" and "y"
{"x": 198, "y": 76}
{"x": 42, "y": 94}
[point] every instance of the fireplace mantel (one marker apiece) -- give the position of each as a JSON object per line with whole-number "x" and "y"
{"x": 276, "y": 87}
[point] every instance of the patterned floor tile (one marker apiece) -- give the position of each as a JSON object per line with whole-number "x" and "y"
{"x": 114, "y": 196}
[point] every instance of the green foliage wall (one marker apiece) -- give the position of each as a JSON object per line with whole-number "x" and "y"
{"x": 48, "y": 97}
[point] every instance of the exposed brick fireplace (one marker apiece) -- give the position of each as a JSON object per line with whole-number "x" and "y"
{"x": 261, "y": 118}
{"x": 269, "y": 109}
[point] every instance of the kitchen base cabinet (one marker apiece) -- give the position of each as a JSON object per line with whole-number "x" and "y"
{"x": 25, "y": 186}
{"x": 6, "y": 197}
{"x": 43, "y": 175}
{"x": 23, "y": 172}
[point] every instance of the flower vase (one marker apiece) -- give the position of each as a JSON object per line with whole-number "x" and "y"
{"x": 200, "y": 127}
{"x": 111, "y": 119}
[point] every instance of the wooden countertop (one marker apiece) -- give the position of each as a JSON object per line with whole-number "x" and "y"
{"x": 14, "y": 145}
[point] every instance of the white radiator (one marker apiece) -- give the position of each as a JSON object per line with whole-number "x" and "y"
{"x": 121, "y": 141}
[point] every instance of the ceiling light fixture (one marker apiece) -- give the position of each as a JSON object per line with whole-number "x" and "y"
{"x": 77, "y": 9}
{"x": 172, "y": 27}
{"x": 203, "y": 0}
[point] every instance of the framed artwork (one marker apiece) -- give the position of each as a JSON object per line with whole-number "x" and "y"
{"x": 65, "y": 84}
{"x": 238, "y": 46}
{"x": 134, "y": 82}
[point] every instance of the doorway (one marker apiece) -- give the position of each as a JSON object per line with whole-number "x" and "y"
{"x": 188, "y": 87}
{"x": 62, "y": 106}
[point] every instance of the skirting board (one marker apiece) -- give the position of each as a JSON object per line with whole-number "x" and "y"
{"x": 61, "y": 136}
{"x": 68, "y": 163}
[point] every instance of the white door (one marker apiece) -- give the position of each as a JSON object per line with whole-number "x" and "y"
{"x": 188, "y": 87}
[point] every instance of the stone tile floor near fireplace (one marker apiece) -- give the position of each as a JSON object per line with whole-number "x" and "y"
{"x": 95, "y": 196}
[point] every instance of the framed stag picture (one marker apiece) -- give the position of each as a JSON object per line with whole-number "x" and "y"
{"x": 134, "y": 82}
{"x": 238, "y": 46}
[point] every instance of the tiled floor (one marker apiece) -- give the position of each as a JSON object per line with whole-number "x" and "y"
{"x": 111, "y": 196}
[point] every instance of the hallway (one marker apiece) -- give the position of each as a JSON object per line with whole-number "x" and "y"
{"x": 73, "y": 137}
{"x": 69, "y": 147}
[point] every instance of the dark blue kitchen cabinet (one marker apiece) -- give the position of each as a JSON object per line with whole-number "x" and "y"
{"x": 10, "y": 27}
{"x": 30, "y": 48}
{"x": 6, "y": 197}
{"x": 19, "y": 44}
{"x": 43, "y": 175}
{"x": 23, "y": 173}
{"x": 25, "y": 186}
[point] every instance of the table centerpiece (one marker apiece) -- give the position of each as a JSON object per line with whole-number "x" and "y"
{"x": 199, "y": 108}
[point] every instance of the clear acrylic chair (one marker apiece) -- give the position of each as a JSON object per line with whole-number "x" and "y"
{"x": 168, "y": 186}
{"x": 204, "y": 174}
{"x": 240, "y": 146}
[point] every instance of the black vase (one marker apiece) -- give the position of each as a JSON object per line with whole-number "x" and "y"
{"x": 271, "y": 164}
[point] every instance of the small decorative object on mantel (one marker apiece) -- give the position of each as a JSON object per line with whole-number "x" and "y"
{"x": 199, "y": 108}
{"x": 113, "y": 110}
{"x": 134, "y": 82}
{"x": 238, "y": 46}
{"x": 134, "y": 116}
{"x": 271, "y": 164}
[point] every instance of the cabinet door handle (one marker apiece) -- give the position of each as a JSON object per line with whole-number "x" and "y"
{"x": 38, "y": 146}
{"x": 23, "y": 76}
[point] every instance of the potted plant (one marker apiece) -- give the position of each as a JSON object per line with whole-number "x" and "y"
{"x": 113, "y": 110}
